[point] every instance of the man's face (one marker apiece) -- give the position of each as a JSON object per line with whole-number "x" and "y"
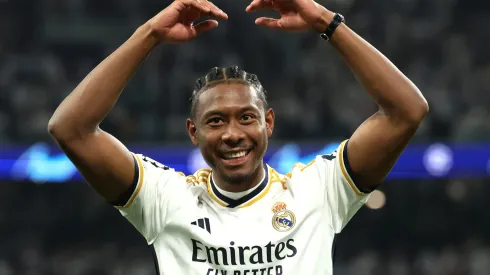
{"x": 231, "y": 128}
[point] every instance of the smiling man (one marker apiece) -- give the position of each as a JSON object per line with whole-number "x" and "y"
{"x": 231, "y": 123}
{"x": 241, "y": 216}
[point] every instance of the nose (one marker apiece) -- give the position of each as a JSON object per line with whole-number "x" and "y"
{"x": 233, "y": 135}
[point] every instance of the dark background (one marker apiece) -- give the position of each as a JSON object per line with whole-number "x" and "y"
{"x": 426, "y": 227}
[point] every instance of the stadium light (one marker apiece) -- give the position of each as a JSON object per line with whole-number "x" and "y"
{"x": 377, "y": 200}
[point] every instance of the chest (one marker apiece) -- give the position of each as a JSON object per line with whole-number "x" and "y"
{"x": 276, "y": 218}
{"x": 273, "y": 233}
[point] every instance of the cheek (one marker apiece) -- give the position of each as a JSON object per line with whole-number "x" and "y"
{"x": 263, "y": 128}
{"x": 206, "y": 140}
{"x": 260, "y": 134}
{"x": 205, "y": 147}
{"x": 201, "y": 139}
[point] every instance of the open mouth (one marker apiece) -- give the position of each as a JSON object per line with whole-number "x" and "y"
{"x": 234, "y": 155}
{"x": 235, "y": 158}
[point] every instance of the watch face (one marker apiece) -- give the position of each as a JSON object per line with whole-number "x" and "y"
{"x": 340, "y": 17}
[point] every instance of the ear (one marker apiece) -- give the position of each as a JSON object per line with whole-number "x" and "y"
{"x": 192, "y": 129}
{"x": 269, "y": 121}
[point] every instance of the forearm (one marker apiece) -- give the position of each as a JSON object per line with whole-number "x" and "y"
{"x": 394, "y": 93}
{"x": 89, "y": 103}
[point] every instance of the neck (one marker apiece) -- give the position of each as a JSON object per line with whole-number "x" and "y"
{"x": 242, "y": 185}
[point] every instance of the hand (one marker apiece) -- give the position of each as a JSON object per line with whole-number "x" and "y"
{"x": 296, "y": 15}
{"x": 175, "y": 24}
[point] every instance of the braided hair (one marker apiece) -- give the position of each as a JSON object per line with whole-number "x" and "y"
{"x": 219, "y": 75}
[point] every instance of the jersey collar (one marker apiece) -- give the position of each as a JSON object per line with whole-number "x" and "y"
{"x": 244, "y": 201}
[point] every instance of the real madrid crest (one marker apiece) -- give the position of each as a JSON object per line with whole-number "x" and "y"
{"x": 283, "y": 219}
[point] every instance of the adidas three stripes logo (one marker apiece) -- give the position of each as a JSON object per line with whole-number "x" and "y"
{"x": 203, "y": 223}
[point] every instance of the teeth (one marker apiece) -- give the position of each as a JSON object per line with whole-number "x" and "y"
{"x": 235, "y": 155}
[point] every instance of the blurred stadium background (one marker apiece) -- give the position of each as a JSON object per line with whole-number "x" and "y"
{"x": 429, "y": 218}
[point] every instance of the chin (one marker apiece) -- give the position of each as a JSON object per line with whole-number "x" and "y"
{"x": 237, "y": 171}
{"x": 239, "y": 174}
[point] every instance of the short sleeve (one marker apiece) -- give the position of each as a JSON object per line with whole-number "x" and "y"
{"x": 343, "y": 198}
{"x": 148, "y": 207}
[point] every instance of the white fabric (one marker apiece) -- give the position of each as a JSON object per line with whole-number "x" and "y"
{"x": 169, "y": 210}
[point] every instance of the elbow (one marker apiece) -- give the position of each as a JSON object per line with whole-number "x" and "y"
{"x": 410, "y": 111}
{"x": 52, "y": 126}
{"x": 419, "y": 110}
{"x": 63, "y": 131}
{"x": 55, "y": 128}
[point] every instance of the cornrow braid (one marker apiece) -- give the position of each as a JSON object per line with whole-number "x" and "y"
{"x": 219, "y": 75}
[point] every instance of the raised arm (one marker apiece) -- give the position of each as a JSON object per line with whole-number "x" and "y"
{"x": 376, "y": 145}
{"x": 104, "y": 161}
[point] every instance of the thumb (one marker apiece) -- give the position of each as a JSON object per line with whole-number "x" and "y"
{"x": 205, "y": 26}
{"x": 268, "y": 22}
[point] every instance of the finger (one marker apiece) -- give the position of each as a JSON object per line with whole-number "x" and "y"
{"x": 217, "y": 12}
{"x": 259, "y": 4}
{"x": 253, "y": 6}
{"x": 205, "y": 26}
{"x": 268, "y": 22}
{"x": 198, "y": 5}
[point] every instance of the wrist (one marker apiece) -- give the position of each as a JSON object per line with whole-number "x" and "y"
{"x": 146, "y": 35}
{"x": 326, "y": 16}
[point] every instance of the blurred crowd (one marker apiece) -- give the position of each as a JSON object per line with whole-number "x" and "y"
{"x": 69, "y": 230}
{"x": 48, "y": 46}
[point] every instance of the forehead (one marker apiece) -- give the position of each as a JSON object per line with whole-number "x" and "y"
{"x": 227, "y": 97}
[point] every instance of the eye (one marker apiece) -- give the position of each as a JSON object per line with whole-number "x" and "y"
{"x": 215, "y": 121}
{"x": 247, "y": 118}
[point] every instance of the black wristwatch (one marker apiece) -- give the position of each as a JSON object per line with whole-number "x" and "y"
{"x": 337, "y": 20}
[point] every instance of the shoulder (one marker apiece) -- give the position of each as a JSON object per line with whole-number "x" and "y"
{"x": 201, "y": 176}
{"x": 148, "y": 167}
{"x": 276, "y": 177}
{"x": 322, "y": 161}
{"x": 311, "y": 171}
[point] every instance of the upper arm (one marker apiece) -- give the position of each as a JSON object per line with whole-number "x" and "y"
{"x": 375, "y": 147}
{"x": 158, "y": 193}
{"x": 141, "y": 188}
{"x": 105, "y": 163}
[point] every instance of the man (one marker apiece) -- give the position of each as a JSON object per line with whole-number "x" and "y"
{"x": 241, "y": 217}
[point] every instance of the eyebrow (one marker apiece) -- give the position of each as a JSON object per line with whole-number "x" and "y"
{"x": 221, "y": 113}
{"x": 212, "y": 113}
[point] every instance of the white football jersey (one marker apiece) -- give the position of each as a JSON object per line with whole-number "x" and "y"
{"x": 284, "y": 226}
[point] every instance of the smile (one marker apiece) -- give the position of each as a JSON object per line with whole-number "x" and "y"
{"x": 235, "y": 158}
{"x": 234, "y": 155}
